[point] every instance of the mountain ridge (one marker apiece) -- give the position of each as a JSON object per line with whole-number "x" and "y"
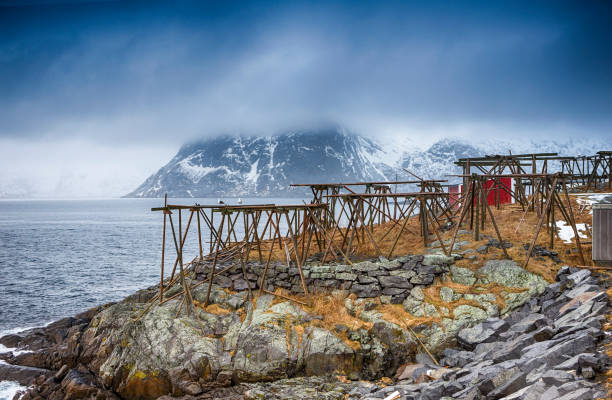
{"x": 265, "y": 166}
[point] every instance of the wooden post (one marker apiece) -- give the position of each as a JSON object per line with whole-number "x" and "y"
{"x": 199, "y": 233}
{"x": 423, "y": 215}
{"x": 212, "y": 272}
{"x": 161, "y": 283}
{"x": 499, "y": 237}
{"x": 297, "y": 258}
{"x": 467, "y": 199}
{"x": 540, "y": 222}
{"x": 476, "y": 212}
{"x": 573, "y": 223}
{"x": 263, "y": 277}
{"x": 179, "y": 253}
{"x": 553, "y": 225}
{"x": 182, "y": 239}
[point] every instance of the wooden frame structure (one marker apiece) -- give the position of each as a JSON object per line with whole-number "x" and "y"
{"x": 545, "y": 199}
{"x": 552, "y": 187}
{"x": 266, "y": 229}
{"x": 338, "y": 217}
{"x": 363, "y": 210}
{"x": 588, "y": 172}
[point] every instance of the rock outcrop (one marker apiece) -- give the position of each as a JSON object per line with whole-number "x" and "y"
{"x": 275, "y": 348}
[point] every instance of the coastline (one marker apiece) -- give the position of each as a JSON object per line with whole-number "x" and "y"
{"x": 77, "y": 357}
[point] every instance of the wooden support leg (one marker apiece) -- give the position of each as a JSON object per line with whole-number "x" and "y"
{"x": 467, "y": 200}
{"x": 499, "y": 237}
{"x": 161, "y": 283}
{"x": 263, "y": 278}
{"x": 214, "y": 264}
{"x": 179, "y": 252}
{"x": 573, "y": 223}
{"x": 539, "y": 227}
{"x": 297, "y": 258}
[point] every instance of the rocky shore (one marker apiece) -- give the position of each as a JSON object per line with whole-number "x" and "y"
{"x": 496, "y": 331}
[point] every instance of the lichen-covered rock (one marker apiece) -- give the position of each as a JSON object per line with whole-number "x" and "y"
{"x": 462, "y": 276}
{"x": 438, "y": 259}
{"x": 165, "y": 353}
{"x": 508, "y": 273}
{"x": 160, "y": 354}
{"x": 323, "y": 353}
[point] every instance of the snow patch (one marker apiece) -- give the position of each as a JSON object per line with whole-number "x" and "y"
{"x": 253, "y": 174}
{"x": 196, "y": 172}
{"x": 588, "y": 199}
{"x": 566, "y": 233}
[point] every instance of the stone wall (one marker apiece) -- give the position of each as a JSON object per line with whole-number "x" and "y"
{"x": 389, "y": 280}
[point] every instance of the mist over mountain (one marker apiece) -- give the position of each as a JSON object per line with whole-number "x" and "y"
{"x": 265, "y": 166}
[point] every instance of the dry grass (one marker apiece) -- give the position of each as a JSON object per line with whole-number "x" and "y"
{"x": 331, "y": 309}
{"x": 212, "y": 308}
{"x": 396, "y": 314}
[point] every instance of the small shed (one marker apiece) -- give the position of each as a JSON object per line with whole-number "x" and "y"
{"x": 602, "y": 233}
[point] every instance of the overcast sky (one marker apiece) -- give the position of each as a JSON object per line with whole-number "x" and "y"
{"x": 95, "y": 96}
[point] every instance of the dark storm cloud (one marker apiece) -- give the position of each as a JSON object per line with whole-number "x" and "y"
{"x": 141, "y": 70}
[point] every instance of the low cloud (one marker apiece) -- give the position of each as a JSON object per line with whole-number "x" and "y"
{"x": 150, "y": 76}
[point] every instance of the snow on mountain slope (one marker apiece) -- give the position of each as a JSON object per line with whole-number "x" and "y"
{"x": 266, "y": 165}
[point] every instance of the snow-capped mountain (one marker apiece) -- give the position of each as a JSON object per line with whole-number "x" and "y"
{"x": 265, "y": 166}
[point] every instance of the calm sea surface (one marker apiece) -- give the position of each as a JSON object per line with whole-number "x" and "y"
{"x": 61, "y": 257}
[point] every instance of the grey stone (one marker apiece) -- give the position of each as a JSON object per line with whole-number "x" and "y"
{"x": 223, "y": 281}
{"x": 346, "y": 276}
{"x": 484, "y": 332}
{"x": 320, "y": 269}
{"x": 241, "y": 284}
{"x": 446, "y": 294}
{"x": 579, "y": 276}
{"x": 511, "y": 385}
{"x": 391, "y": 291}
{"x": 456, "y": 358}
{"x": 512, "y": 349}
{"x": 483, "y": 249}
{"x": 417, "y": 293}
{"x": 552, "y": 393}
{"x": 469, "y": 393}
{"x": 370, "y": 290}
{"x": 578, "y": 361}
{"x": 395, "y": 281}
{"x": 365, "y": 266}
{"x": 557, "y": 353}
{"x": 580, "y": 394}
{"x": 509, "y": 273}
{"x": 404, "y": 274}
{"x": 437, "y": 259}
{"x": 391, "y": 265}
{"x": 364, "y": 280}
{"x": 412, "y": 305}
{"x": 322, "y": 275}
{"x": 555, "y": 377}
{"x": 528, "y": 324}
{"x": 422, "y": 279}
{"x": 544, "y": 333}
{"x": 462, "y": 276}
